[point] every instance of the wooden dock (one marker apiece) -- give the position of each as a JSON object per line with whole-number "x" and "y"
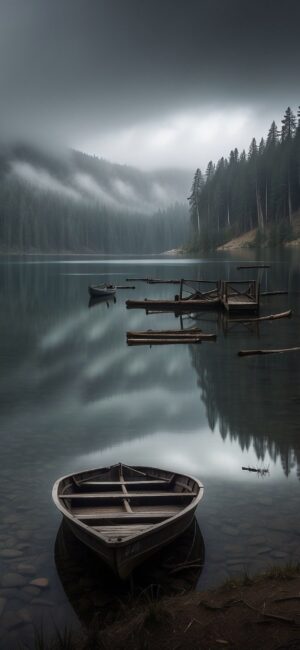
{"x": 240, "y": 296}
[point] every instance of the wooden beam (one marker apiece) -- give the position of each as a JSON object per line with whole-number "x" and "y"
{"x": 130, "y": 495}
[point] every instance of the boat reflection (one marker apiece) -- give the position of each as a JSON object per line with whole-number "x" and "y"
{"x": 95, "y": 593}
{"x": 93, "y": 301}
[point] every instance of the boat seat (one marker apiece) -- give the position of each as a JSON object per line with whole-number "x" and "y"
{"x": 130, "y": 495}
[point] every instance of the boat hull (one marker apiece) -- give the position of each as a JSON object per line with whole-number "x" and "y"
{"x": 104, "y": 292}
{"x": 125, "y": 559}
{"x": 127, "y": 521}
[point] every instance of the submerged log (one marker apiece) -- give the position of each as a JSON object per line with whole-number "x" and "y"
{"x": 283, "y": 314}
{"x": 273, "y": 293}
{"x": 247, "y": 353}
{"x": 124, "y": 286}
{"x": 253, "y": 266}
{"x": 175, "y": 281}
{"x": 164, "y": 341}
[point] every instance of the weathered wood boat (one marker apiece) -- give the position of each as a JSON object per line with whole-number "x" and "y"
{"x": 102, "y": 290}
{"x": 125, "y": 513}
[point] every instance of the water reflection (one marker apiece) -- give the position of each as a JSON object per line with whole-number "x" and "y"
{"x": 74, "y": 396}
{"x": 95, "y": 593}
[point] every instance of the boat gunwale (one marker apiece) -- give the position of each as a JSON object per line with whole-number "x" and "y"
{"x": 130, "y": 539}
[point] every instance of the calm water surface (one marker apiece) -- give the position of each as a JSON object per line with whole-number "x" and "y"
{"x": 74, "y": 396}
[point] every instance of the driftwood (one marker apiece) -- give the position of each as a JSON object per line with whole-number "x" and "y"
{"x": 124, "y": 286}
{"x": 247, "y": 353}
{"x": 145, "y": 333}
{"x": 283, "y": 314}
{"x": 161, "y": 281}
{"x": 175, "y": 334}
{"x": 165, "y": 341}
{"x": 253, "y": 266}
{"x": 273, "y": 293}
{"x": 258, "y": 470}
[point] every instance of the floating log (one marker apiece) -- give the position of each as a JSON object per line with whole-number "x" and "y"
{"x": 160, "y": 281}
{"x": 253, "y": 266}
{"x": 164, "y": 341}
{"x": 176, "y": 334}
{"x": 247, "y": 353}
{"x": 186, "y": 305}
{"x": 256, "y": 469}
{"x": 273, "y": 293}
{"x": 283, "y": 314}
{"x": 193, "y": 332}
{"x": 124, "y": 286}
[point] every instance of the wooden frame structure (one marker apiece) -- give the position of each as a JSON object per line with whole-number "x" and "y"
{"x": 240, "y": 295}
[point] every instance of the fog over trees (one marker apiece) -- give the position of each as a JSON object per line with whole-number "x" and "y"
{"x": 79, "y": 203}
{"x": 258, "y": 189}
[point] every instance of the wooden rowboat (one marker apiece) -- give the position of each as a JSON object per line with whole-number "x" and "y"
{"x": 125, "y": 513}
{"x": 102, "y": 290}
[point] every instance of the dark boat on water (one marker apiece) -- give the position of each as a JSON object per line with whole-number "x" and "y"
{"x": 125, "y": 514}
{"x": 102, "y": 290}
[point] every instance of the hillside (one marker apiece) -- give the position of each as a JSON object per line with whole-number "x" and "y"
{"x": 69, "y": 201}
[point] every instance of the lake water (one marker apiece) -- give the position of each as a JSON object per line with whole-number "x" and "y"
{"x": 74, "y": 396}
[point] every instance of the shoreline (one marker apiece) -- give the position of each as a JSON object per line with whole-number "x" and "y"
{"x": 260, "y": 611}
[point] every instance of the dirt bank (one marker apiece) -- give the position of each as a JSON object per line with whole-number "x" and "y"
{"x": 262, "y": 614}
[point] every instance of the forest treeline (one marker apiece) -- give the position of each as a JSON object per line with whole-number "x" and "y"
{"x": 85, "y": 204}
{"x": 259, "y": 189}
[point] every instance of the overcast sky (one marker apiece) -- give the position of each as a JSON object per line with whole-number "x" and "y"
{"x": 151, "y": 83}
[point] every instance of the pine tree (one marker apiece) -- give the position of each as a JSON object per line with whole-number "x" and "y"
{"x": 194, "y": 200}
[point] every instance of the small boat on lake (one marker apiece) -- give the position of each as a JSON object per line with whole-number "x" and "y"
{"x": 102, "y": 290}
{"x": 125, "y": 513}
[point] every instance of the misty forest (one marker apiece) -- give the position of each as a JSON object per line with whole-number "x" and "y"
{"x": 80, "y": 203}
{"x": 259, "y": 189}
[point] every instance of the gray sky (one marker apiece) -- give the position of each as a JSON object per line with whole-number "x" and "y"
{"x": 152, "y": 83}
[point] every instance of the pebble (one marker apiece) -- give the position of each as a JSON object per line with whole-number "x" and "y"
{"x": 11, "y": 519}
{"x": 43, "y": 602}
{"x": 13, "y": 580}
{"x": 40, "y": 582}
{"x": 25, "y": 614}
{"x": 26, "y": 569}
{"x": 229, "y": 530}
{"x": 10, "y": 620}
{"x": 32, "y": 591}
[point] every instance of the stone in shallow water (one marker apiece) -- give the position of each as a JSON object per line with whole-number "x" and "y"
{"x": 10, "y": 553}
{"x": 24, "y": 614}
{"x": 26, "y": 569}
{"x": 229, "y": 530}
{"x": 12, "y": 519}
{"x": 13, "y": 580}
{"x": 10, "y": 620}
{"x": 32, "y": 591}
{"x": 40, "y": 582}
{"x": 279, "y": 555}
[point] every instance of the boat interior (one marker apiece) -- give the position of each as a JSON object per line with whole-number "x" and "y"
{"x": 121, "y": 501}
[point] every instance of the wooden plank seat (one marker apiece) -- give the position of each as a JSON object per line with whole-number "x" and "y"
{"x": 148, "y": 515}
{"x": 112, "y": 533}
{"x": 115, "y": 483}
{"x": 130, "y": 495}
